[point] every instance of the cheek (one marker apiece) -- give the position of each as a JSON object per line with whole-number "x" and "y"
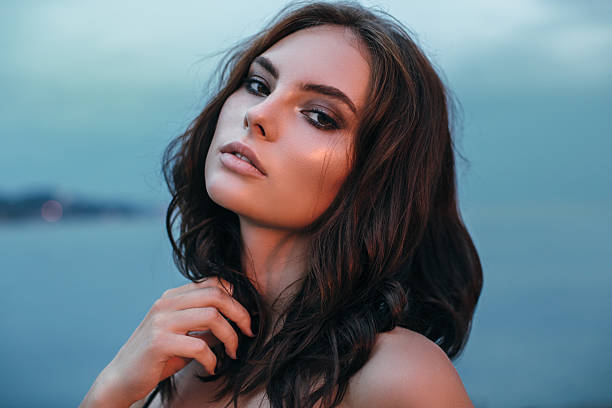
{"x": 228, "y": 124}
{"x": 332, "y": 175}
{"x": 313, "y": 182}
{"x": 233, "y": 109}
{"x": 306, "y": 169}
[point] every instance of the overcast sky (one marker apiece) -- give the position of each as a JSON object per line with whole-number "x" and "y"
{"x": 93, "y": 91}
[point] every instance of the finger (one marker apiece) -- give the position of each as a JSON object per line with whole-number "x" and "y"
{"x": 195, "y": 319}
{"x": 205, "y": 283}
{"x": 213, "y": 297}
{"x": 191, "y": 347}
{"x": 205, "y": 335}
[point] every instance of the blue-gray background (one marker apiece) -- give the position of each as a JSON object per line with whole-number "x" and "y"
{"x": 91, "y": 93}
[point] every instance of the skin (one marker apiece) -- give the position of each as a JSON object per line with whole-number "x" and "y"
{"x": 305, "y": 165}
{"x": 305, "y": 154}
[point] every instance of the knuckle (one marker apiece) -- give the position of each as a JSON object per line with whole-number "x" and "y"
{"x": 201, "y": 283}
{"x": 208, "y": 354}
{"x": 212, "y": 360}
{"x": 200, "y": 346}
{"x": 159, "y": 304}
{"x": 210, "y": 314}
{"x": 246, "y": 322}
{"x": 158, "y": 321}
{"x": 167, "y": 293}
{"x": 227, "y": 287}
{"x": 216, "y": 293}
{"x": 245, "y": 317}
{"x": 158, "y": 340}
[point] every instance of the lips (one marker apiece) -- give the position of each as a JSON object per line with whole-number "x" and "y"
{"x": 244, "y": 150}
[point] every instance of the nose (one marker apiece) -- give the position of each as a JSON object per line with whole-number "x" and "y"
{"x": 253, "y": 126}
{"x": 261, "y": 119}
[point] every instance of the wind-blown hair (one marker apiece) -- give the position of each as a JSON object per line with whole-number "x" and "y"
{"x": 390, "y": 250}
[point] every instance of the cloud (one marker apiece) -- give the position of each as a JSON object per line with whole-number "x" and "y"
{"x": 155, "y": 44}
{"x": 140, "y": 42}
{"x": 543, "y": 43}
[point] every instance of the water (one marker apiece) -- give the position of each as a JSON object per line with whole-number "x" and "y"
{"x": 542, "y": 330}
{"x": 72, "y": 293}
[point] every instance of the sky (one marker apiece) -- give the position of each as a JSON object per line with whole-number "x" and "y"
{"x": 92, "y": 92}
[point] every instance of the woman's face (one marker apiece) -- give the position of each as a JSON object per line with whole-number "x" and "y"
{"x": 297, "y": 112}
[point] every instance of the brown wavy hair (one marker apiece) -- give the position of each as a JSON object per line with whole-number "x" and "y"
{"x": 391, "y": 249}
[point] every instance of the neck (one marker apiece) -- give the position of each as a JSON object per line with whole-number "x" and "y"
{"x": 273, "y": 260}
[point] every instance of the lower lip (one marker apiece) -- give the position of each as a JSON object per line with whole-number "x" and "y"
{"x": 240, "y": 166}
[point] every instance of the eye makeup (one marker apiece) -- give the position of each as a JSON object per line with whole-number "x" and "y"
{"x": 320, "y": 114}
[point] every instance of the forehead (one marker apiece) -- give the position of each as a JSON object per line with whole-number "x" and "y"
{"x": 325, "y": 55}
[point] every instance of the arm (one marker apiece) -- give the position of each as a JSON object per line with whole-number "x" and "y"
{"x": 407, "y": 370}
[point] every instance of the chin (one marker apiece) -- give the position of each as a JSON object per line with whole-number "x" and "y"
{"x": 238, "y": 198}
{"x": 231, "y": 197}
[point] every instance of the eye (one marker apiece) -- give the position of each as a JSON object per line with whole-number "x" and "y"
{"x": 256, "y": 86}
{"x": 320, "y": 119}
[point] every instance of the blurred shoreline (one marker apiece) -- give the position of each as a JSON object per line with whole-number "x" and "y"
{"x": 47, "y": 205}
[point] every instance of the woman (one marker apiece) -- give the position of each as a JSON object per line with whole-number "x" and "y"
{"x": 320, "y": 227}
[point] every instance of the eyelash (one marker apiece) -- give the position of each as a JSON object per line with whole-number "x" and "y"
{"x": 331, "y": 124}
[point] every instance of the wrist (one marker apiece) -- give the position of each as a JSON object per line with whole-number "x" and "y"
{"x": 106, "y": 391}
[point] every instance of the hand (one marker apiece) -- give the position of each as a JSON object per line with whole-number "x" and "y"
{"x": 160, "y": 345}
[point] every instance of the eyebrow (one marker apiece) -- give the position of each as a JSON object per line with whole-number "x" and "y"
{"x": 327, "y": 90}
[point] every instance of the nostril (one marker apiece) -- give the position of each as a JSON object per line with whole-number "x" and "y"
{"x": 246, "y": 124}
{"x": 263, "y": 132}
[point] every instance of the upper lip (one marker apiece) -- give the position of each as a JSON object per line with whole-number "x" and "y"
{"x": 237, "y": 147}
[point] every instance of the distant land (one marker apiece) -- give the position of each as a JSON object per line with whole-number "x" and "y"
{"x": 46, "y": 205}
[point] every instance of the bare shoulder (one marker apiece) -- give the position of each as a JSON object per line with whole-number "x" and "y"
{"x": 406, "y": 369}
